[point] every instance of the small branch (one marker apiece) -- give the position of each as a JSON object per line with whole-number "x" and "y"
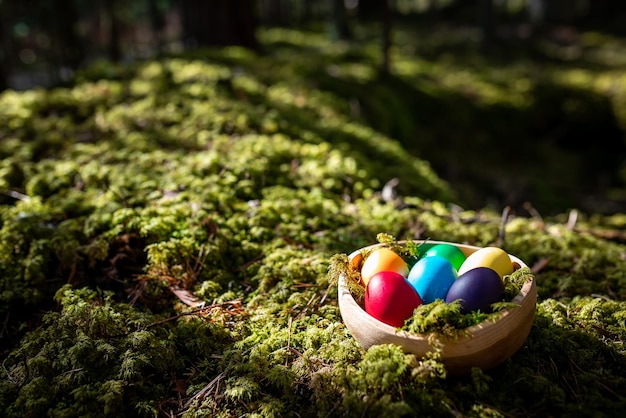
{"x": 5, "y": 325}
{"x": 249, "y": 263}
{"x": 455, "y": 211}
{"x": 16, "y": 195}
{"x": 289, "y": 339}
{"x": 540, "y": 265}
{"x": 72, "y": 371}
{"x": 137, "y": 292}
{"x": 203, "y": 392}
{"x": 202, "y": 255}
{"x": 571, "y": 221}
{"x": 611, "y": 235}
{"x": 306, "y": 307}
{"x": 235, "y": 302}
{"x": 326, "y": 294}
{"x": 186, "y": 297}
{"x": 503, "y": 222}
{"x": 389, "y": 193}
{"x": 533, "y": 212}
{"x": 9, "y": 377}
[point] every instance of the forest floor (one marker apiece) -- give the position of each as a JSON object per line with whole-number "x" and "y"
{"x": 539, "y": 115}
{"x": 167, "y": 227}
{"x": 534, "y": 122}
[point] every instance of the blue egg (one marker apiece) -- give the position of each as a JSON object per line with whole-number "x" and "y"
{"x": 432, "y": 276}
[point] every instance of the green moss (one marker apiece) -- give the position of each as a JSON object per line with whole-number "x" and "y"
{"x": 441, "y": 318}
{"x": 186, "y": 216}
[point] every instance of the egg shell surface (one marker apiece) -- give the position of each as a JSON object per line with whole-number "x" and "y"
{"x": 431, "y": 277}
{"x": 423, "y": 248}
{"x": 390, "y": 298}
{"x": 450, "y": 252}
{"x": 476, "y": 289}
{"x": 493, "y": 257}
{"x": 383, "y": 259}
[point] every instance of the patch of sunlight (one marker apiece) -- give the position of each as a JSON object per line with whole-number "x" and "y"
{"x": 294, "y": 37}
{"x": 238, "y": 53}
{"x": 408, "y": 67}
{"x": 354, "y": 71}
{"x": 577, "y": 77}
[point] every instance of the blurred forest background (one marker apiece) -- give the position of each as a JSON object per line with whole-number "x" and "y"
{"x": 513, "y": 102}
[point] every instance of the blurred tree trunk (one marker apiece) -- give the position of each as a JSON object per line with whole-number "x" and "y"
{"x": 219, "y": 23}
{"x": 64, "y": 53}
{"x": 4, "y": 78}
{"x": 307, "y": 10}
{"x": 339, "y": 29}
{"x": 537, "y": 12}
{"x": 114, "y": 49}
{"x": 370, "y": 8}
{"x": 73, "y": 52}
{"x": 4, "y": 51}
{"x": 599, "y": 12}
{"x": 381, "y": 11}
{"x": 4, "y": 71}
{"x": 274, "y": 13}
{"x": 560, "y": 11}
{"x": 486, "y": 22}
{"x": 157, "y": 24}
{"x": 386, "y": 41}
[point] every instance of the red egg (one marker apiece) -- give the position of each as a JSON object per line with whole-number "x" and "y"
{"x": 476, "y": 289}
{"x": 390, "y": 298}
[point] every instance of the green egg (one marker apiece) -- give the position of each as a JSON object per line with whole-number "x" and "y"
{"x": 451, "y": 253}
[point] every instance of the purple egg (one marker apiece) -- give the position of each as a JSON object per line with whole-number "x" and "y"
{"x": 476, "y": 289}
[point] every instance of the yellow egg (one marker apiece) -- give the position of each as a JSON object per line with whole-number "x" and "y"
{"x": 383, "y": 259}
{"x": 493, "y": 257}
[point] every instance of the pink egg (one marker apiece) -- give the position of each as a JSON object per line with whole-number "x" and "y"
{"x": 390, "y": 298}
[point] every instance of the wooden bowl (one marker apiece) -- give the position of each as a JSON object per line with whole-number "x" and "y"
{"x": 485, "y": 345}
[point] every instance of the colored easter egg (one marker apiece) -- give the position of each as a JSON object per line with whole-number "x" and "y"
{"x": 476, "y": 289}
{"x": 423, "y": 248}
{"x": 450, "y": 252}
{"x": 382, "y": 259}
{"x": 390, "y": 298}
{"x": 431, "y": 277}
{"x": 493, "y": 257}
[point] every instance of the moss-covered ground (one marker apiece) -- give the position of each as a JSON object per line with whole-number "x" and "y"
{"x": 166, "y": 230}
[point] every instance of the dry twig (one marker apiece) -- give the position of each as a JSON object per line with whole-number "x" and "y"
{"x": 571, "y": 220}
{"x": 503, "y": 222}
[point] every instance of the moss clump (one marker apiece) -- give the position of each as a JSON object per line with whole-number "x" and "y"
{"x": 443, "y": 319}
{"x": 97, "y": 357}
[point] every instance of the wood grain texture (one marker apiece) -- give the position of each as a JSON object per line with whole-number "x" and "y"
{"x": 485, "y": 345}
